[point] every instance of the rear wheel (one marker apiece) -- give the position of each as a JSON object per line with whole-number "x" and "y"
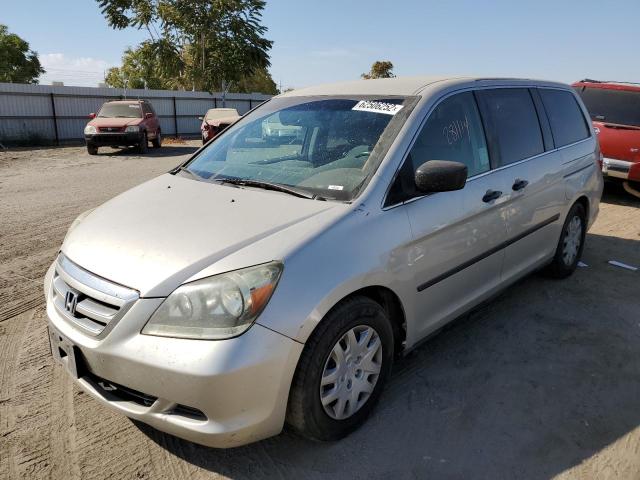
{"x": 144, "y": 143}
{"x": 92, "y": 149}
{"x": 571, "y": 244}
{"x": 157, "y": 142}
{"x": 342, "y": 371}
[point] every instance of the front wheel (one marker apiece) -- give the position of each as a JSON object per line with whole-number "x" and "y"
{"x": 157, "y": 142}
{"x": 342, "y": 371}
{"x": 92, "y": 150}
{"x": 571, "y": 244}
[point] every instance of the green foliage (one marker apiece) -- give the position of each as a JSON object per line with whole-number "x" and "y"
{"x": 205, "y": 45}
{"x": 380, "y": 69}
{"x": 259, "y": 81}
{"x": 18, "y": 64}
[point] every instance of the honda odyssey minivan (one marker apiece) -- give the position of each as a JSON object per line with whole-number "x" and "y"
{"x": 266, "y": 281}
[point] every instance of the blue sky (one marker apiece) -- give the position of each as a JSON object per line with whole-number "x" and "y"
{"x": 329, "y": 40}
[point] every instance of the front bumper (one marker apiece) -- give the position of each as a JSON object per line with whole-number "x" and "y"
{"x": 238, "y": 388}
{"x": 118, "y": 139}
{"x": 622, "y": 169}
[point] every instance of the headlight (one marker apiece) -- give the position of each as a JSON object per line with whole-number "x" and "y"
{"x": 90, "y": 130}
{"x": 132, "y": 129}
{"x": 218, "y": 307}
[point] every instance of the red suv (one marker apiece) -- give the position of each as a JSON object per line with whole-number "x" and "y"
{"x": 123, "y": 123}
{"x": 615, "y": 111}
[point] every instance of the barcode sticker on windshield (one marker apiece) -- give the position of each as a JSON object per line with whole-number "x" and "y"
{"x": 134, "y": 106}
{"x": 336, "y": 187}
{"x": 377, "y": 107}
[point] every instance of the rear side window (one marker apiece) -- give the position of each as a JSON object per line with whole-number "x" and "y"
{"x": 453, "y": 132}
{"x": 621, "y": 107}
{"x": 514, "y": 125}
{"x": 568, "y": 124}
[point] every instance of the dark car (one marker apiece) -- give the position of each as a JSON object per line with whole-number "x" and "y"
{"x": 123, "y": 123}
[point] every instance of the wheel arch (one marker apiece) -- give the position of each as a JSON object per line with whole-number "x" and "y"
{"x": 390, "y": 302}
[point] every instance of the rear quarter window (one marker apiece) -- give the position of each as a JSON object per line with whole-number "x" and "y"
{"x": 568, "y": 124}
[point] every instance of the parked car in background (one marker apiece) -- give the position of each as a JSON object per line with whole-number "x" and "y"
{"x": 216, "y": 120}
{"x": 614, "y": 108}
{"x": 266, "y": 283}
{"x": 274, "y": 130}
{"x": 123, "y": 123}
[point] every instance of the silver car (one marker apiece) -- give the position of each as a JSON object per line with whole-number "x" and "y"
{"x": 263, "y": 283}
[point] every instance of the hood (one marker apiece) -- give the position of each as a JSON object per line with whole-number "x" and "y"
{"x": 114, "y": 122}
{"x": 216, "y": 122}
{"x": 157, "y": 235}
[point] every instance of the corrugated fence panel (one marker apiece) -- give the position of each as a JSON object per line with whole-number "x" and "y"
{"x": 24, "y": 105}
{"x": 31, "y": 130}
{"x": 21, "y": 105}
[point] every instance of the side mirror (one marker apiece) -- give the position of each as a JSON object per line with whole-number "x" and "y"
{"x": 92, "y": 115}
{"x": 148, "y": 115}
{"x": 441, "y": 176}
{"x": 201, "y": 118}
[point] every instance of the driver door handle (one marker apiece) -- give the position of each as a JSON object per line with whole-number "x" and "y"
{"x": 519, "y": 184}
{"x": 491, "y": 195}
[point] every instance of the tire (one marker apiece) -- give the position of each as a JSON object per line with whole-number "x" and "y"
{"x": 157, "y": 142}
{"x": 306, "y": 414}
{"x": 92, "y": 150}
{"x": 570, "y": 245}
{"x": 204, "y": 140}
{"x": 144, "y": 143}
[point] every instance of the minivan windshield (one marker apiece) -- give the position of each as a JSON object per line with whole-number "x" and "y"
{"x": 120, "y": 110}
{"x": 621, "y": 107}
{"x": 327, "y": 147}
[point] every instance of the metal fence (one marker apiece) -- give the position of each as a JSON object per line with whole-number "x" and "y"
{"x": 43, "y": 114}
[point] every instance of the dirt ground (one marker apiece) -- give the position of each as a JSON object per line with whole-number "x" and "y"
{"x": 542, "y": 382}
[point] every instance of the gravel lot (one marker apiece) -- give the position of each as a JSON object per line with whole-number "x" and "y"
{"x": 542, "y": 382}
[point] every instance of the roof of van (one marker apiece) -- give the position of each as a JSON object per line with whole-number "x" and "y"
{"x": 406, "y": 85}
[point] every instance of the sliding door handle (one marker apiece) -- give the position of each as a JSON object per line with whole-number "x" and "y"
{"x": 491, "y": 195}
{"x": 519, "y": 184}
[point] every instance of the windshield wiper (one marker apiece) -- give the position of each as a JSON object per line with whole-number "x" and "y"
{"x": 278, "y": 187}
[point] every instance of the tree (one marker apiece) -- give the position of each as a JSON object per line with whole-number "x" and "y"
{"x": 380, "y": 69}
{"x": 259, "y": 81}
{"x": 18, "y": 64}
{"x": 141, "y": 69}
{"x": 138, "y": 70}
{"x": 208, "y": 45}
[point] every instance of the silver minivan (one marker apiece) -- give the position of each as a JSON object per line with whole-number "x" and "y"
{"x": 273, "y": 281}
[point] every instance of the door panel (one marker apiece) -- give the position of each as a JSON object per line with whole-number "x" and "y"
{"x": 455, "y": 255}
{"x": 533, "y": 221}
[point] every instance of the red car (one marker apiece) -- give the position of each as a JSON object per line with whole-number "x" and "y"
{"x": 216, "y": 120}
{"x": 615, "y": 111}
{"x": 123, "y": 123}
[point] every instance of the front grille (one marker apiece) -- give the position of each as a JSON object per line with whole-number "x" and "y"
{"x": 88, "y": 301}
{"x": 111, "y": 129}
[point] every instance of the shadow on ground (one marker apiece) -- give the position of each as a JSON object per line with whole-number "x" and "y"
{"x": 530, "y": 385}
